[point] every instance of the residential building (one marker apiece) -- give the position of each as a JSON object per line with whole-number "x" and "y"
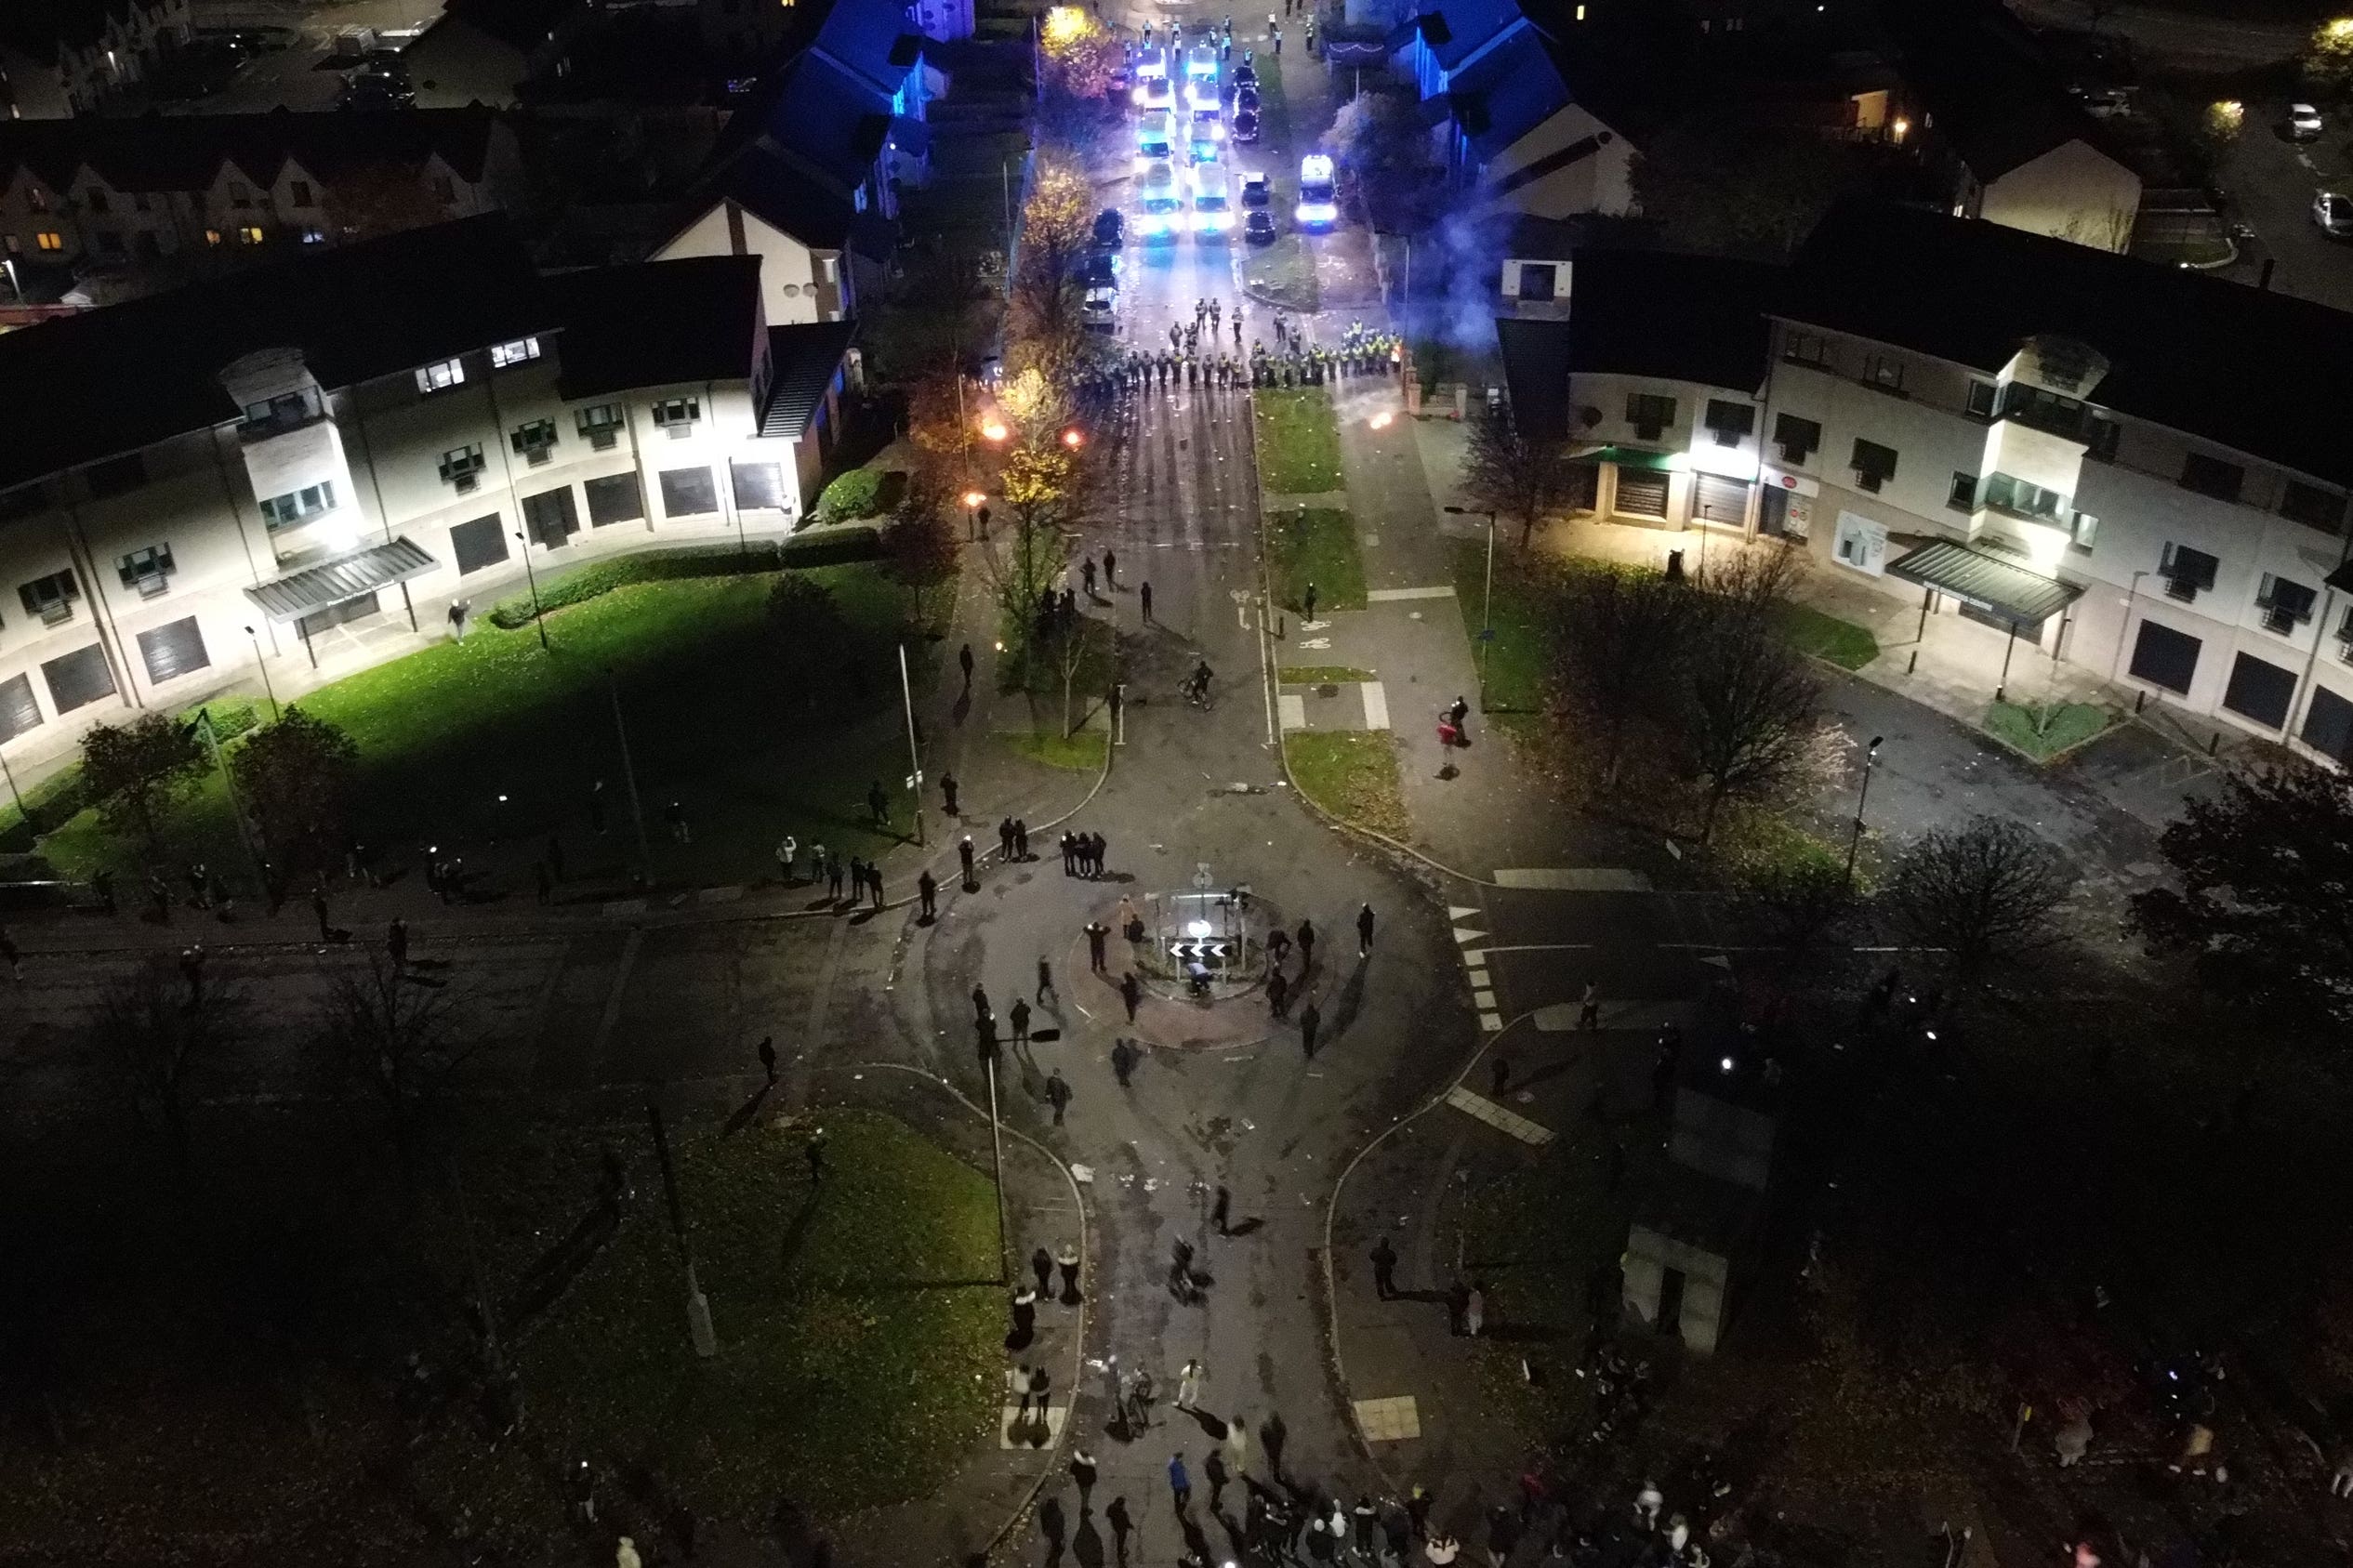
{"x": 94, "y": 191}
{"x": 73, "y": 57}
{"x": 2134, "y": 469}
{"x": 483, "y": 51}
{"x": 307, "y": 462}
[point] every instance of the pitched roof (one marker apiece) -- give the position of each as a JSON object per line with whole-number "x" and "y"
{"x": 187, "y": 152}
{"x": 1989, "y": 92}
{"x": 803, "y": 360}
{"x": 873, "y": 39}
{"x": 2259, "y": 371}
{"x": 795, "y": 159}
{"x": 1506, "y": 93}
{"x": 656, "y": 323}
{"x": 523, "y": 25}
{"x": 1679, "y": 318}
{"x": 113, "y": 380}
{"x": 1454, "y": 30}
{"x": 41, "y": 25}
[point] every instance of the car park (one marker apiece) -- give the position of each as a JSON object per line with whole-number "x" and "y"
{"x": 1258, "y": 227}
{"x": 2304, "y": 122}
{"x": 2332, "y": 213}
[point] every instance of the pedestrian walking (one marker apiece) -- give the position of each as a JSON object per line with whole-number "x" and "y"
{"x": 964, "y": 662}
{"x": 874, "y": 884}
{"x": 1306, "y": 947}
{"x": 1457, "y": 1306}
{"x": 813, "y": 1151}
{"x": 1279, "y": 993}
{"x": 1474, "y": 1312}
{"x": 1066, "y": 1259}
{"x": 1005, "y": 839}
{"x": 1098, "y": 847}
{"x": 980, "y": 1006}
{"x": 768, "y": 1056}
{"x": 1364, "y": 931}
{"x": 1098, "y": 934}
{"x": 1180, "y": 1483}
{"x": 318, "y": 908}
{"x": 948, "y": 793}
{"x": 1588, "y": 1008}
{"x": 675, "y": 815}
{"x": 1384, "y": 1270}
{"x": 1020, "y": 839}
{"x": 1041, "y": 1263}
{"x": 1130, "y": 924}
{"x": 1501, "y": 1075}
{"x": 396, "y": 943}
{"x": 1417, "y": 1503}
{"x": 964, "y": 857}
{"x": 1057, "y": 1094}
{"x": 1441, "y": 1550}
{"x": 1221, "y": 1211}
{"x": 1278, "y": 945}
{"x": 1237, "y": 1445}
{"x": 1310, "y": 1020}
{"x": 1069, "y": 854}
{"x": 833, "y": 876}
{"x": 787, "y": 857}
{"x": 927, "y": 888}
{"x": 1123, "y": 1061}
{"x": 1046, "y": 982}
{"x": 1020, "y": 1016}
{"x": 1307, "y": 604}
{"x": 1111, "y": 569}
{"x": 1140, "y": 1400}
{"x": 1087, "y": 575}
{"x": 1144, "y": 596}
{"x": 1024, "y": 1385}
{"x": 1132, "y": 993}
{"x": 1189, "y": 1385}
{"x": 877, "y": 804}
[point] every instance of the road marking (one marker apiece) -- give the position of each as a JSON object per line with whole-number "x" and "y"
{"x": 1491, "y": 1022}
{"x": 1560, "y": 1018}
{"x": 1389, "y": 1421}
{"x": 1376, "y": 705}
{"x": 1480, "y": 1108}
{"x": 1546, "y": 947}
{"x": 1466, "y": 936}
{"x": 1391, "y": 595}
{"x": 1483, "y": 1000}
{"x": 1575, "y": 879}
{"x": 611, "y": 1017}
{"x": 1457, "y": 911}
{"x": 1293, "y": 708}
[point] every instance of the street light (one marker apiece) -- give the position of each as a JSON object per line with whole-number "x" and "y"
{"x": 532, "y": 579}
{"x": 1073, "y": 438}
{"x": 994, "y": 430}
{"x": 972, "y": 503}
{"x": 263, "y": 665}
{"x": 1855, "y": 839}
{"x": 1486, "y": 600}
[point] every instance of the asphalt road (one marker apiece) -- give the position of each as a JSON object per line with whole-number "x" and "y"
{"x": 2272, "y": 182}
{"x": 2183, "y": 40}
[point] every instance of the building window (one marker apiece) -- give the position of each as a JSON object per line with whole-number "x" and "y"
{"x": 1885, "y": 372}
{"x": 250, "y": 235}
{"x": 2017, "y": 496}
{"x": 97, "y": 201}
{"x": 1806, "y": 347}
{"x": 39, "y": 198}
{"x": 2186, "y": 571}
{"x": 615, "y": 498}
{"x": 536, "y": 441}
{"x": 688, "y": 493}
{"x": 298, "y": 192}
{"x": 2083, "y": 529}
{"x": 522, "y": 349}
{"x": 2212, "y": 475}
{"x": 678, "y": 415}
{"x": 2285, "y": 604}
{"x": 1798, "y": 439}
{"x": 1982, "y": 402}
{"x": 2100, "y": 436}
{"x": 1649, "y": 414}
{"x": 442, "y": 376}
{"x": 298, "y": 506}
{"x": 2313, "y": 506}
{"x": 51, "y": 598}
{"x": 116, "y": 475}
{"x": 284, "y": 410}
{"x": 1730, "y": 422}
{"x": 314, "y": 236}
{"x": 148, "y": 571}
{"x": 1875, "y": 465}
{"x": 1963, "y": 496}
{"x": 444, "y": 191}
{"x": 478, "y": 544}
{"x": 212, "y": 236}
{"x": 599, "y": 425}
{"x": 1539, "y": 280}
{"x": 758, "y": 486}
{"x": 462, "y": 465}
{"x": 49, "y": 240}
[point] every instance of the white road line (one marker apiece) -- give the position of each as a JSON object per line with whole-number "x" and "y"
{"x": 1575, "y": 879}
{"x": 1376, "y": 705}
{"x": 1391, "y": 596}
{"x": 1480, "y": 1108}
{"x": 1457, "y": 911}
{"x": 1561, "y": 947}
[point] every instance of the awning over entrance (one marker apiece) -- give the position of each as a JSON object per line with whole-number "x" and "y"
{"x": 331, "y": 581}
{"x": 1999, "y": 588}
{"x": 1625, "y": 457}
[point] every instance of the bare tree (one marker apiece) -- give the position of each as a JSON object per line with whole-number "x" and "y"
{"x": 156, "y": 1028}
{"x": 392, "y": 1030}
{"x": 1797, "y": 902}
{"x": 1511, "y": 473}
{"x": 1986, "y": 888}
{"x": 1750, "y": 706}
{"x": 1620, "y": 635}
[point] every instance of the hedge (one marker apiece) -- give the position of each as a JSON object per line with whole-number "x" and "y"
{"x": 598, "y": 578}
{"x": 854, "y": 494}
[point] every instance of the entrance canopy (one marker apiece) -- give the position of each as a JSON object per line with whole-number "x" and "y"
{"x": 1999, "y": 588}
{"x": 347, "y": 576}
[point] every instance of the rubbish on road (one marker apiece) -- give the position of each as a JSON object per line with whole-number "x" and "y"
{"x": 1083, "y": 1174}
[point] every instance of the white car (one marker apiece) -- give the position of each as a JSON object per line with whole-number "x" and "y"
{"x": 2333, "y": 212}
{"x": 1213, "y": 205}
{"x": 1154, "y": 92}
{"x": 1318, "y": 204}
{"x": 1100, "y": 310}
{"x": 1159, "y": 199}
{"x": 1155, "y": 127}
{"x": 2304, "y": 122}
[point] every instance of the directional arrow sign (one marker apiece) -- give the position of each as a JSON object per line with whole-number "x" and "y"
{"x": 1187, "y": 951}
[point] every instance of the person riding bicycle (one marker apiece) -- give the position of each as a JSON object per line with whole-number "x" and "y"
{"x": 1196, "y": 685}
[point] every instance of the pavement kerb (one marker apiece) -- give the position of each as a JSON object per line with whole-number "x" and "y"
{"x": 1078, "y": 1339}
{"x": 1331, "y": 1208}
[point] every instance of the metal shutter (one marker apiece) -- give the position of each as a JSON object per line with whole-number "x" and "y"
{"x": 758, "y": 486}
{"x": 18, "y": 710}
{"x": 79, "y": 678}
{"x": 2260, "y": 689}
{"x": 478, "y": 544}
{"x": 2165, "y": 657}
{"x": 2328, "y": 723}
{"x": 615, "y": 498}
{"x": 551, "y": 516}
{"x": 173, "y": 650}
{"x": 686, "y": 492}
{"x": 1720, "y": 500}
{"x": 1641, "y": 492}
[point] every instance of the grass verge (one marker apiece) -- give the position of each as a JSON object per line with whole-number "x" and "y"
{"x": 1298, "y": 442}
{"x": 1315, "y": 545}
{"x": 1322, "y": 675}
{"x": 1351, "y": 773}
{"x": 1283, "y": 273}
{"x": 1826, "y": 637}
{"x": 1081, "y": 753}
{"x": 2042, "y": 731}
{"x": 1521, "y": 650}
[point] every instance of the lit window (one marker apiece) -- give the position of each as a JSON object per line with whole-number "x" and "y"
{"x": 601, "y": 424}
{"x": 298, "y": 506}
{"x": 49, "y": 239}
{"x": 522, "y": 349}
{"x": 442, "y": 376}
{"x": 314, "y": 236}
{"x": 148, "y": 571}
{"x": 212, "y": 236}
{"x": 249, "y": 235}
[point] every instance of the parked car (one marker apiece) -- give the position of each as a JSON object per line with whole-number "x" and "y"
{"x": 1101, "y": 269}
{"x": 1243, "y": 76}
{"x": 1246, "y": 125}
{"x": 1258, "y": 227}
{"x": 1246, "y": 97}
{"x": 2333, "y": 212}
{"x": 1111, "y": 230}
{"x": 2304, "y": 122}
{"x": 1100, "y": 310}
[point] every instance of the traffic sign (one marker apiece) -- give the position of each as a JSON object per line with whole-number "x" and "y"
{"x": 1187, "y": 951}
{"x": 1201, "y": 878}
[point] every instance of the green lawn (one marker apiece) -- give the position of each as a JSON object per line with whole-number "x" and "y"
{"x": 859, "y": 1322}
{"x": 1080, "y": 752}
{"x": 1283, "y": 273}
{"x": 1826, "y": 637}
{"x": 1351, "y": 773}
{"x": 2045, "y": 730}
{"x": 1298, "y": 442}
{"x": 1520, "y": 652}
{"x": 1322, "y": 675}
{"x": 1315, "y": 545}
{"x": 445, "y": 733}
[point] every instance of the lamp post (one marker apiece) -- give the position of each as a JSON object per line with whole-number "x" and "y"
{"x": 532, "y": 579}
{"x": 629, "y": 777}
{"x": 263, "y": 665}
{"x": 972, "y": 500}
{"x": 1855, "y": 839}
{"x": 914, "y": 757}
{"x": 1486, "y": 597}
